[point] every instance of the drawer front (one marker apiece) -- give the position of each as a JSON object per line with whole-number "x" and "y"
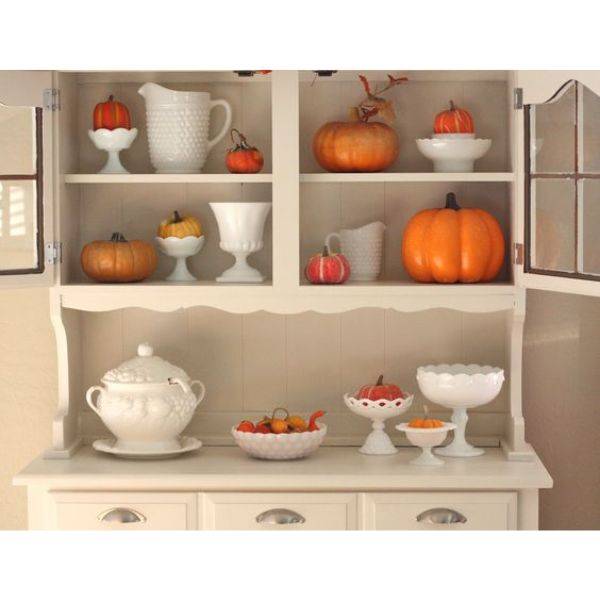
{"x": 243, "y": 511}
{"x": 457, "y": 511}
{"x": 101, "y": 511}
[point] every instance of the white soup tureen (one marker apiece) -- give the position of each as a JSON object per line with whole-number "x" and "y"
{"x": 146, "y": 402}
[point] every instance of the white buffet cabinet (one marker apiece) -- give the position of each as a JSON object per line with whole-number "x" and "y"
{"x": 285, "y": 342}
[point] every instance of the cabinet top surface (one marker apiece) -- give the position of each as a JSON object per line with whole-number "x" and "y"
{"x": 220, "y": 468}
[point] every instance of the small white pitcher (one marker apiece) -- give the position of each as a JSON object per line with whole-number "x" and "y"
{"x": 363, "y": 247}
{"x": 178, "y": 128}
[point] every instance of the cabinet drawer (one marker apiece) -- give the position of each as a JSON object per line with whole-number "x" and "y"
{"x": 279, "y": 511}
{"x": 124, "y": 511}
{"x": 441, "y": 510}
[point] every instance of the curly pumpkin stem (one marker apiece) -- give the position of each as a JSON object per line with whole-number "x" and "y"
{"x": 117, "y": 237}
{"x": 451, "y": 202}
{"x": 325, "y": 251}
{"x": 242, "y": 141}
{"x": 380, "y": 380}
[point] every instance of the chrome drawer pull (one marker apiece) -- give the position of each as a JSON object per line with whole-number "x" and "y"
{"x": 280, "y": 516}
{"x": 441, "y": 516}
{"x": 121, "y": 515}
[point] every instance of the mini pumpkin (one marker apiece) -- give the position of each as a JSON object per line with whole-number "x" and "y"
{"x": 327, "y": 268}
{"x": 118, "y": 261}
{"x": 380, "y": 391}
{"x": 243, "y": 158}
{"x": 111, "y": 115}
{"x": 454, "y": 120}
{"x": 180, "y": 227}
{"x": 453, "y": 244}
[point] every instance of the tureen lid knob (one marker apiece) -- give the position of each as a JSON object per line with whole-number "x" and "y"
{"x": 145, "y": 349}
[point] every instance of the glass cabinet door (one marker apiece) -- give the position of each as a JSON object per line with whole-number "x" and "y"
{"x": 562, "y": 185}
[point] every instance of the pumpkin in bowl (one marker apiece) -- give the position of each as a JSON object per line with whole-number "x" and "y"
{"x": 180, "y": 227}
{"x": 118, "y": 260}
{"x": 358, "y": 145}
{"x": 380, "y": 391}
{"x": 453, "y": 244}
{"x": 454, "y": 120}
{"x": 111, "y": 115}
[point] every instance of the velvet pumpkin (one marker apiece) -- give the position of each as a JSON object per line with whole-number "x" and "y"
{"x": 380, "y": 391}
{"x": 180, "y": 227}
{"x": 111, "y": 115}
{"x": 454, "y": 120}
{"x": 327, "y": 268}
{"x": 453, "y": 244}
{"x": 355, "y": 146}
{"x": 118, "y": 261}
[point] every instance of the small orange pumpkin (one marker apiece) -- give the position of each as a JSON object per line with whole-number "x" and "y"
{"x": 111, "y": 115}
{"x": 455, "y": 120}
{"x": 180, "y": 227}
{"x": 243, "y": 158}
{"x": 118, "y": 261}
{"x": 453, "y": 244}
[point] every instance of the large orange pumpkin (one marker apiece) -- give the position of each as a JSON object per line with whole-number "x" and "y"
{"x": 355, "y": 146}
{"x": 453, "y": 244}
{"x": 118, "y": 261}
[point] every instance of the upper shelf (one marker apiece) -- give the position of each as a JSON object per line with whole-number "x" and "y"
{"x": 168, "y": 178}
{"x": 403, "y": 177}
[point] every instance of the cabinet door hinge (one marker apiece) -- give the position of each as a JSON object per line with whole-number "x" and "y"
{"x": 52, "y": 99}
{"x": 518, "y": 98}
{"x": 519, "y": 252}
{"x": 53, "y": 253}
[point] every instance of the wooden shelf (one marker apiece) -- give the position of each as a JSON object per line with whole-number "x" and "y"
{"x": 405, "y": 177}
{"x": 168, "y": 178}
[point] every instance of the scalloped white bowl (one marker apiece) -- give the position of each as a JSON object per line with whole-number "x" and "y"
{"x": 279, "y": 446}
{"x": 458, "y": 385}
{"x": 453, "y": 154}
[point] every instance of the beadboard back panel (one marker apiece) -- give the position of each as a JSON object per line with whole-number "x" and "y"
{"x": 253, "y": 363}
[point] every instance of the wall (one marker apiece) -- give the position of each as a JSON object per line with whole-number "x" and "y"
{"x": 561, "y": 392}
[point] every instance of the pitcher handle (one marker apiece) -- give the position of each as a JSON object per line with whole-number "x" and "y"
{"x": 330, "y": 237}
{"x": 90, "y": 400}
{"x": 202, "y": 391}
{"x": 226, "y": 125}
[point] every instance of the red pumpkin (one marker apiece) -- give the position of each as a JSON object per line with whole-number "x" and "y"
{"x": 455, "y": 120}
{"x": 111, "y": 115}
{"x": 355, "y": 146}
{"x": 327, "y": 268}
{"x": 380, "y": 391}
{"x": 243, "y": 158}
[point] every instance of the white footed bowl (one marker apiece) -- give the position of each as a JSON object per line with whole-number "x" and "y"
{"x": 113, "y": 141}
{"x": 426, "y": 439}
{"x": 180, "y": 249}
{"x": 459, "y": 385}
{"x": 453, "y": 153}
{"x": 279, "y": 446}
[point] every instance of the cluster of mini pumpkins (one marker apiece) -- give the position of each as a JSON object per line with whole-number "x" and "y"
{"x": 281, "y": 421}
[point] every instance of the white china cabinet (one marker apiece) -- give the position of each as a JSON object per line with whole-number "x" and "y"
{"x": 284, "y": 341}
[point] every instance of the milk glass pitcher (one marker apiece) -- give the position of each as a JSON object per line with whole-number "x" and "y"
{"x": 178, "y": 127}
{"x": 363, "y": 247}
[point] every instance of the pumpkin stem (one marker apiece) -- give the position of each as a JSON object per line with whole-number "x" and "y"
{"x": 176, "y": 217}
{"x": 325, "y": 251}
{"x": 111, "y": 98}
{"x": 380, "y": 380}
{"x": 452, "y": 107}
{"x": 117, "y": 237}
{"x": 242, "y": 142}
{"x": 451, "y": 202}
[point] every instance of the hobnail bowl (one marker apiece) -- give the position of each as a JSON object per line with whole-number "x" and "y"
{"x": 279, "y": 446}
{"x": 453, "y": 153}
{"x": 460, "y": 387}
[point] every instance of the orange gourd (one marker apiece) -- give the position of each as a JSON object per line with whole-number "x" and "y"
{"x": 111, "y": 115}
{"x": 455, "y": 120}
{"x": 355, "y": 146}
{"x": 425, "y": 423}
{"x": 118, "y": 261}
{"x": 453, "y": 244}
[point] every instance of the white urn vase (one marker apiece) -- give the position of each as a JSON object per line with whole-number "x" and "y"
{"x": 178, "y": 128}
{"x": 241, "y": 228}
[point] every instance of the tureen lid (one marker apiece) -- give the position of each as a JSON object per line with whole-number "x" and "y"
{"x": 144, "y": 368}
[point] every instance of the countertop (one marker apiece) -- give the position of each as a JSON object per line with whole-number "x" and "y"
{"x": 329, "y": 469}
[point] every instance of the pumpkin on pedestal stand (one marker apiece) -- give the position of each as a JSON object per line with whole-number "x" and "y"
{"x": 359, "y": 145}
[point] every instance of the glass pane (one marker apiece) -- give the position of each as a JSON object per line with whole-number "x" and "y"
{"x": 553, "y": 134}
{"x": 17, "y": 140}
{"x": 589, "y": 144}
{"x": 553, "y": 224}
{"x": 18, "y": 225}
{"x": 590, "y": 226}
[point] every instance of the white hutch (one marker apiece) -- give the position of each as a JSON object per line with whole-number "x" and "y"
{"x": 286, "y": 342}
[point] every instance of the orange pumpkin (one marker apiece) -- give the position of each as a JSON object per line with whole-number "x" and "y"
{"x": 118, "y": 261}
{"x": 355, "y": 146}
{"x": 111, "y": 115}
{"x": 455, "y": 120}
{"x": 425, "y": 423}
{"x": 243, "y": 158}
{"x": 453, "y": 244}
{"x": 179, "y": 226}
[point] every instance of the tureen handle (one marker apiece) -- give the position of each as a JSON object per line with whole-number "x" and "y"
{"x": 89, "y": 397}
{"x": 202, "y": 391}
{"x": 181, "y": 383}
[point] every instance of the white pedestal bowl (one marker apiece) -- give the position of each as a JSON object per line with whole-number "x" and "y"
{"x": 460, "y": 387}
{"x": 113, "y": 141}
{"x": 378, "y": 441}
{"x": 426, "y": 439}
{"x": 241, "y": 227}
{"x": 180, "y": 249}
{"x": 453, "y": 152}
